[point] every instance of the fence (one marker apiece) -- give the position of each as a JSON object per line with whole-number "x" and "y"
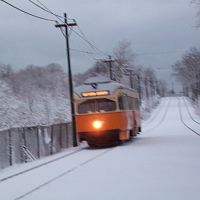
{"x": 19, "y": 145}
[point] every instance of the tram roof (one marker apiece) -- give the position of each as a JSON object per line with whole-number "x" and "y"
{"x": 99, "y": 83}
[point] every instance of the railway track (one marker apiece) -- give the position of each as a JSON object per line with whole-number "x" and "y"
{"x": 81, "y": 157}
{"x": 68, "y": 171}
{"x": 186, "y": 122}
{"x": 189, "y": 112}
{"x": 40, "y": 165}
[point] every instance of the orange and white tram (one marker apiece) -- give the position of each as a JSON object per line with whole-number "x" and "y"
{"x": 107, "y": 112}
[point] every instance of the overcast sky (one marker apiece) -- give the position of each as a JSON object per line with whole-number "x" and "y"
{"x": 160, "y": 31}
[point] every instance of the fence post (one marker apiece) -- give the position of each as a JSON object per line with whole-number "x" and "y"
{"x": 10, "y": 147}
{"x": 24, "y": 143}
{"x": 67, "y": 134}
{"x": 38, "y": 142}
{"x": 51, "y": 147}
{"x": 61, "y": 136}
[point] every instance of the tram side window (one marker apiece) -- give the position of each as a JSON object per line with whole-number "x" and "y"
{"x": 123, "y": 102}
{"x": 136, "y": 104}
{"x": 130, "y": 103}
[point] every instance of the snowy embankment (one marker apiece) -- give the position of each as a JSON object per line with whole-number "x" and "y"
{"x": 44, "y": 109}
{"x": 148, "y": 105}
{"x": 196, "y": 106}
{"x": 161, "y": 163}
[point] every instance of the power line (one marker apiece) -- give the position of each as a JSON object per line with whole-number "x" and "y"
{"x": 92, "y": 45}
{"x": 82, "y": 35}
{"x": 77, "y": 50}
{"x": 89, "y": 43}
{"x": 28, "y": 13}
{"x": 82, "y": 51}
{"x": 40, "y": 6}
{"x": 46, "y": 9}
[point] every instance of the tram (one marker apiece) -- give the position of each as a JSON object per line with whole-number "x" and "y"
{"x": 106, "y": 112}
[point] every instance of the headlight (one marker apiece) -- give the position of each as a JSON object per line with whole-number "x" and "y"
{"x": 97, "y": 124}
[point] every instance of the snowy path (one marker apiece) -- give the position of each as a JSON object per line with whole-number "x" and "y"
{"x": 162, "y": 163}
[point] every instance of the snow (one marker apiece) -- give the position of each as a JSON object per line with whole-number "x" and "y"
{"x": 45, "y": 109}
{"x": 102, "y": 83}
{"x": 97, "y": 79}
{"x": 163, "y": 162}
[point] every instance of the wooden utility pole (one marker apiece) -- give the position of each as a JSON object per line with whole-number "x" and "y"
{"x": 110, "y": 61}
{"x": 66, "y": 25}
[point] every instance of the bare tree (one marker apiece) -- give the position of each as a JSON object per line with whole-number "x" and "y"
{"x": 197, "y": 3}
{"x": 124, "y": 57}
{"x": 124, "y": 54}
{"x": 99, "y": 68}
{"x": 187, "y": 71}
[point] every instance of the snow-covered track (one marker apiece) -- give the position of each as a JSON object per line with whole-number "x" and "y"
{"x": 68, "y": 171}
{"x": 189, "y": 112}
{"x": 41, "y": 165}
{"x": 185, "y": 122}
{"x": 159, "y": 119}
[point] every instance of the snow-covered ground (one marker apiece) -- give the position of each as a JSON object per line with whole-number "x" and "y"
{"x": 162, "y": 163}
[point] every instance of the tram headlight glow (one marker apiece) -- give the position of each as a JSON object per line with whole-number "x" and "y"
{"x": 97, "y": 124}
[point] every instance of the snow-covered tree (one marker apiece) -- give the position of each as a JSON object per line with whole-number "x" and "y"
{"x": 33, "y": 96}
{"x": 187, "y": 71}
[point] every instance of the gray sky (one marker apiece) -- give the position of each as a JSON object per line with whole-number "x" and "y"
{"x": 160, "y": 31}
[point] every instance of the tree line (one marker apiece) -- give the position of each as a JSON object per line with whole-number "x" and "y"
{"x": 187, "y": 71}
{"x": 125, "y": 70}
{"x": 33, "y": 96}
{"x": 38, "y": 95}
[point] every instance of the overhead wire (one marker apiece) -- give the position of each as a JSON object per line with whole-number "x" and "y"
{"x": 89, "y": 43}
{"x": 82, "y": 35}
{"x": 82, "y": 51}
{"x": 46, "y": 9}
{"x": 28, "y": 13}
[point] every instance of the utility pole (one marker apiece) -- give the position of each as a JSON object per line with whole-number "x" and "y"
{"x": 130, "y": 72}
{"x": 139, "y": 88}
{"x": 66, "y": 25}
{"x": 110, "y": 61}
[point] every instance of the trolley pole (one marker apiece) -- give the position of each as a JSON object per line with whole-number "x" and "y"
{"x": 66, "y": 25}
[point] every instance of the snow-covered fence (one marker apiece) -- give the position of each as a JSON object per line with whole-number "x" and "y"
{"x": 18, "y": 145}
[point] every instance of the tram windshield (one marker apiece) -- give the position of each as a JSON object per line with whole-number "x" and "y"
{"x": 97, "y": 105}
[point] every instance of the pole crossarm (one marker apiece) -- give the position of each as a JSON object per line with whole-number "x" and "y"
{"x": 65, "y": 25}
